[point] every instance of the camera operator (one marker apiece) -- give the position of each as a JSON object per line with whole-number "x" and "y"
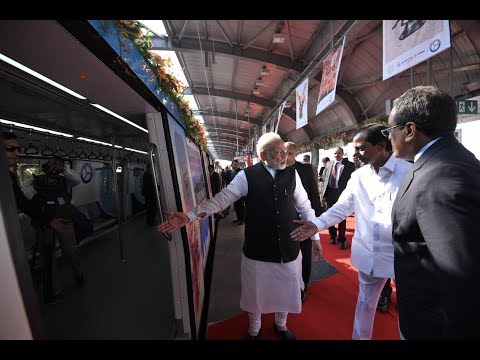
{"x": 52, "y": 191}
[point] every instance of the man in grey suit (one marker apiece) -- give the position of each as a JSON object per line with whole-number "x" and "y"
{"x": 435, "y": 218}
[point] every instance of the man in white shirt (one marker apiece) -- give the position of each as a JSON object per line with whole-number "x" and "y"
{"x": 271, "y": 274}
{"x": 369, "y": 194}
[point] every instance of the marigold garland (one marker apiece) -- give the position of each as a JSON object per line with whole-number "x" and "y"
{"x": 163, "y": 76}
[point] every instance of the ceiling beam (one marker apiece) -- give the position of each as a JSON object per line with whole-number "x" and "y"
{"x": 226, "y": 114}
{"x": 200, "y": 90}
{"x": 220, "y": 47}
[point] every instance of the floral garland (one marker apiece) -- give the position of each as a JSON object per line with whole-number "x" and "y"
{"x": 163, "y": 77}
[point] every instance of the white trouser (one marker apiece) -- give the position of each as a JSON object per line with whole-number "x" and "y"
{"x": 369, "y": 291}
{"x": 256, "y": 321}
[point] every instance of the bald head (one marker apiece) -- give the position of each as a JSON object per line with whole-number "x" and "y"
{"x": 291, "y": 152}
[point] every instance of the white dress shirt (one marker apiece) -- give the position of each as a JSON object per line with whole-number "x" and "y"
{"x": 370, "y": 196}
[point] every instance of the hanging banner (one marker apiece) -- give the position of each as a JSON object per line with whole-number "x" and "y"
{"x": 407, "y": 43}
{"x": 331, "y": 66}
{"x": 280, "y": 112}
{"x": 302, "y": 104}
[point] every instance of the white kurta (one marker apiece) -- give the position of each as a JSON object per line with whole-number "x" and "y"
{"x": 266, "y": 286}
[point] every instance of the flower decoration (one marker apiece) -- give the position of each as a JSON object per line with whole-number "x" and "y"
{"x": 161, "y": 75}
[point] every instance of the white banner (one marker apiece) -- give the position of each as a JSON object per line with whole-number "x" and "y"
{"x": 302, "y": 104}
{"x": 331, "y": 67}
{"x": 407, "y": 43}
{"x": 280, "y": 112}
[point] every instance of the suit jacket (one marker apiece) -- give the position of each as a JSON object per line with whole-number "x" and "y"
{"x": 309, "y": 182}
{"x": 437, "y": 244}
{"x": 346, "y": 169}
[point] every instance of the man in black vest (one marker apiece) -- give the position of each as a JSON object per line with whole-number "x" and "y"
{"x": 309, "y": 182}
{"x": 29, "y": 207}
{"x": 270, "y": 270}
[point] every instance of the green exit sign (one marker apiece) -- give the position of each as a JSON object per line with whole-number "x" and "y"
{"x": 467, "y": 106}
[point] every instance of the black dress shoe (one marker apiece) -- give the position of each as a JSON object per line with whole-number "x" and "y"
{"x": 251, "y": 337}
{"x": 383, "y": 303}
{"x": 284, "y": 334}
{"x": 343, "y": 245}
{"x": 303, "y": 295}
{"x": 333, "y": 241}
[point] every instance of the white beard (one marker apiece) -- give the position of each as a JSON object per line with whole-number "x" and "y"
{"x": 276, "y": 165}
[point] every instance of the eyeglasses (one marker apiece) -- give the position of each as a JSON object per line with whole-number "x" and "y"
{"x": 277, "y": 152}
{"x": 388, "y": 131}
{"x": 11, "y": 148}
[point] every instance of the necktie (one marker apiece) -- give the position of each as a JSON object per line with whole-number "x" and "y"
{"x": 333, "y": 177}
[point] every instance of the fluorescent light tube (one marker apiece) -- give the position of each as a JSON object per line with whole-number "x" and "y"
{"x": 36, "y": 128}
{"x": 40, "y": 76}
{"x": 119, "y": 117}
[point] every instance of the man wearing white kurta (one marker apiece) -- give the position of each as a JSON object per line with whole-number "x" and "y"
{"x": 271, "y": 275}
{"x": 369, "y": 194}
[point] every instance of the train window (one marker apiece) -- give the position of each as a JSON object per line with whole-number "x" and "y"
{"x": 27, "y": 167}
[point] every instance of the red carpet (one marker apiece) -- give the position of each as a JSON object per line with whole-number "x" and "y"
{"x": 329, "y": 310}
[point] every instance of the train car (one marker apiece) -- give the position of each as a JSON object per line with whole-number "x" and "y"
{"x": 85, "y": 107}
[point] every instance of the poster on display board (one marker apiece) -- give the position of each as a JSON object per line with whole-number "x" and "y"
{"x": 200, "y": 190}
{"x": 407, "y": 43}
{"x": 188, "y": 180}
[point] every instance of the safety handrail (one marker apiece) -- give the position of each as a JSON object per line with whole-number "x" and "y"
{"x": 59, "y": 151}
{"x": 47, "y": 151}
{"x": 30, "y": 149}
{"x": 155, "y": 185}
{"x": 72, "y": 154}
{"x": 82, "y": 155}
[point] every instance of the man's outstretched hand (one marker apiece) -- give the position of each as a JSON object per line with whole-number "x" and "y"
{"x": 176, "y": 221}
{"x": 303, "y": 232}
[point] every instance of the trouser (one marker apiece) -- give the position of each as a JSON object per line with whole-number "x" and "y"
{"x": 331, "y": 197}
{"x": 46, "y": 242}
{"x": 387, "y": 289}
{"x": 68, "y": 244}
{"x": 256, "y": 321}
{"x": 369, "y": 290}
{"x": 306, "y": 248}
{"x": 239, "y": 207}
{"x": 342, "y": 227}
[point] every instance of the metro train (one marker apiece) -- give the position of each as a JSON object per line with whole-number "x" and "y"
{"x": 139, "y": 284}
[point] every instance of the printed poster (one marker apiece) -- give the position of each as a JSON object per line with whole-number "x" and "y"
{"x": 188, "y": 179}
{"x": 301, "y": 93}
{"x": 331, "y": 67}
{"x": 407, "y": 43}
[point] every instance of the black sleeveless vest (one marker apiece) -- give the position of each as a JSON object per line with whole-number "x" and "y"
{"x": 270, "y": 212}
{"x": 52, "y": 195}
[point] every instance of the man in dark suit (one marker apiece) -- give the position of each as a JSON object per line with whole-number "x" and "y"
{"x": 31, "y": 208}
{"x": 339, "y": 173}
{"x": 435, "y": 218}
{"x": 309, "y": 182}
